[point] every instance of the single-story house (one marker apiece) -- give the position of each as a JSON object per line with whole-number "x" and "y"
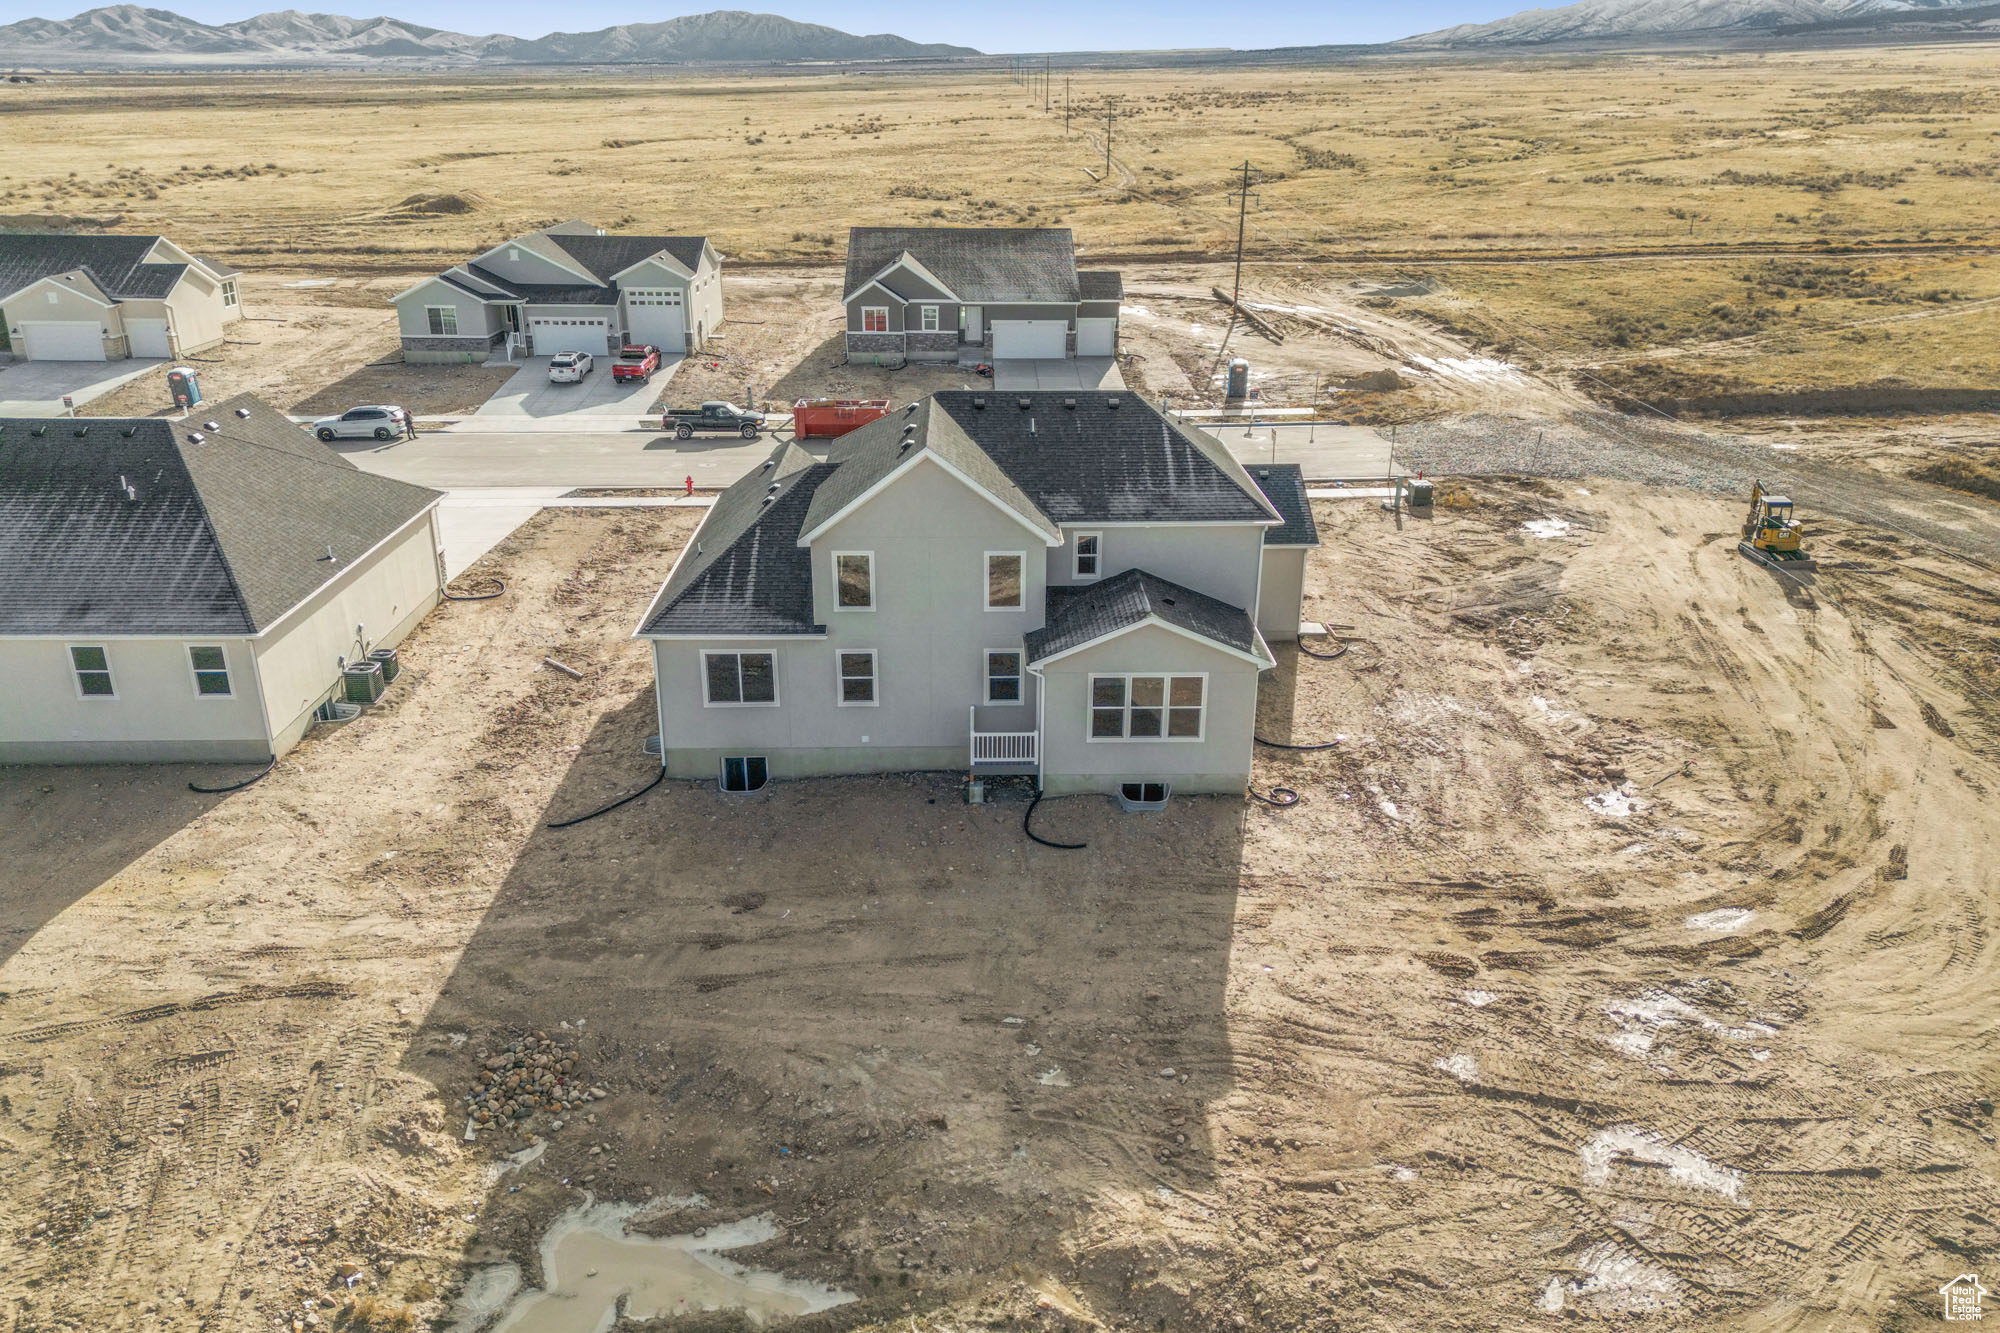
{"x": 70, "y": 297}
{"x": 190, "y": 590}
{"x": 1062, "y": 585}
{"x": 567, "y": 288}
{"x": 935, "y": 293}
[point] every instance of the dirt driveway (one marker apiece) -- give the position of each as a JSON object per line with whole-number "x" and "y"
{"x": 1627, "y": 955}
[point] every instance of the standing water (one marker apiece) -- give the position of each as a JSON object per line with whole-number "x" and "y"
{"x": 590, "y": 1262}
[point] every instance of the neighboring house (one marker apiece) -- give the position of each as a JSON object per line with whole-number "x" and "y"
{"x": 568, "y": 288}
{"x": 105, "y": 298}
{"x": 188, "y": 590}
{"x": 1039, "y": 583}
{"x": 927, "y": 293}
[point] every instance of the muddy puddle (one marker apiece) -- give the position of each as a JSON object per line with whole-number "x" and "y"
{"x": 592, "y": 1262}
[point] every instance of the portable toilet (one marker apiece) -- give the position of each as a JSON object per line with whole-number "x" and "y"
{"x": 1239, "y": 378}
{"x": 183, "y": 385}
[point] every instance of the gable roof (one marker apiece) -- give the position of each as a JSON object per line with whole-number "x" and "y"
{"x": 1100, "y": 284}
{"x": 1079, "y": 617}
{"x": 117, "y": 264}
{"x": 743, "y": 571}
{"x": 1284, "y": 485}
{"x": 980, "y": 264}
{"x": 608, "y": 256}
{"x": 224, "y": 537}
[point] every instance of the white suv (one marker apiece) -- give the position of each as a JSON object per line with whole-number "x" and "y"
{"x": 569, "y": 367}
{"x": 380, "y": 422}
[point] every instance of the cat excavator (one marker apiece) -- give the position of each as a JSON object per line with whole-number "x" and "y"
{"x": 1771, "y": 536}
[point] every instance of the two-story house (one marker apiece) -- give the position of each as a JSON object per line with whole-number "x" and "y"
{"x": 1062, "y": 585}
{"x": 567, "y": 288}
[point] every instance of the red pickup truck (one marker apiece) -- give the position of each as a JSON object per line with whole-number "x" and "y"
{"x": 636, "y": 363}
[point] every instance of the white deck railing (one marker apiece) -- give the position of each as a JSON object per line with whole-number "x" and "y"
{"x": 1000, "y": 747}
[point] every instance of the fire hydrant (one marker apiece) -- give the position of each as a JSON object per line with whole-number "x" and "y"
{"x": 690, "y": 489}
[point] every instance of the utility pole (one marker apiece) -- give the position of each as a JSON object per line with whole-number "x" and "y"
{"x": 1109, "y": 113}
{"x": 1065, "y": 106}
{"x": 1243, "y": 198}
{"x": 1047, "y": 64}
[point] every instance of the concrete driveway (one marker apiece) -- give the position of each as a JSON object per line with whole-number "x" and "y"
{"x": 529, "y": 393}
{"x": 1083, "y": 372}
{"x": 36, "y": 388}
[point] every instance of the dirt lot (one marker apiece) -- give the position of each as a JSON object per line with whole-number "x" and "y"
{"x": 1629, "y": 955}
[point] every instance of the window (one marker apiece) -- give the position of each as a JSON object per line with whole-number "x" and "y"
{"x": 1089, "y": 546}
{"x": 1003, "y": 677}
{"x": 93, "y": 673}
{"x": 748, "y": 773}
{"x": 857, "y": 676}
{"x": 1143, "y": 795}
{"x": 1146, "y": 708}
{"x": 739, "y": 679}
{"x": 211, "y": 672}
{"x": 874, "y": 319}
{"x": 930, "y": 318}
{"x": 229, "y": 291}
{"x": 444, "y": 320}
{"x": 1003, "y": 580}
{"x": 854, "y": 580}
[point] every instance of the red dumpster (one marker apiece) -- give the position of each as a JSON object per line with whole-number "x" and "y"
{"x": 825, "y": 418}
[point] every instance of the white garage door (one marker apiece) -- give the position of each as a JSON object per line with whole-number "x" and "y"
{"x": 570, "y": 335}
{"x": 67, "y": 341}
{"x": 1097, "y": 337}
{"x": 1040, "y": 339}
{"x": 654, "y": 316}
{"x": 148, "y": 337}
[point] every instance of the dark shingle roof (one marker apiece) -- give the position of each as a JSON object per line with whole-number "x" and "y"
{"x": 1077, "y": 616}
{"x": 1284, "y": 485}
{"x": 540, "y": 293}
{"x": 1091, "y": 463}
{"x": 1101, "y": 284}
{"x": 988, "y": 264}
{"x": 744, "y": 571}
{"x": 115, "y": 263}
{"x": 607, "y": 256}
{"x": 225, "y": 537}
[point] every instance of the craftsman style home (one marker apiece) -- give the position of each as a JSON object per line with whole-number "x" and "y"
{"x": 567, "y": 288}
{"x": 106, "y": 298}
{"x": 1065, "y": 586}
{"x": 939, "y": 293}
{"x": 190, "y": 590}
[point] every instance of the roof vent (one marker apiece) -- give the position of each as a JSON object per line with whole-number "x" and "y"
{"x": 131, "y": 492}
{"x": 1024, "y": 403}
{"x": 978, "y": 403}
{"x": 763, "y": 502}
{"x": 770, "y": 463}
{"x": 211, "y": 425}
{"x": 1070, "y": 403}
{"x": 1166, "y": 601}
{"x": 39, "y": 431}
{"x": 81, "y": 431}
{"x": 772, "y": 489}
{"x": 243, "y": 412}
{"x": 909, "y": 428}
{"x": 1031, "y": 425}
{"x": 1111, "y": 403}
{"x": 129, "y": 431}
{"x": 196, "y": 437}
{"x": 911, "y": 408}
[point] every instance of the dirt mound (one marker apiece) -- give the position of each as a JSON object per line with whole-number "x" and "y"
{"x": 451, "y": 203}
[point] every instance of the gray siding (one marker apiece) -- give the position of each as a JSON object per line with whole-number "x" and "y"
{"x": 1284, "y": 586}
{"x": 412, "y": 321}
{"x": 1222, "y": 560}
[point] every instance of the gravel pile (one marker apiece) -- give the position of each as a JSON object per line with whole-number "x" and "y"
{"x": 534, "y": 1075}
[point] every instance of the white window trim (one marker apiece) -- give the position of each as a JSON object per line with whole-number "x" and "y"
{"x": 929, "y": 318}
{"x": 706, "y": 702}
{"x": 840, "y": 680}
{"x": 986, "y": 580}
{"x": 434, "y": 324}
{"x": 870, "y": 557}
{"x": 76, "y": 672}
{"x": 881, "y": 310}
{"x": 194, "y": 672}
{"x": 1076, "y": 561}
{"x": 229, "y": 291}
{"x": 1020, "y": 699}
{"x": 1090, "y": 694}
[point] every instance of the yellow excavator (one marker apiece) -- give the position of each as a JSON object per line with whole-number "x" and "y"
{"x": 1771, "y": 536}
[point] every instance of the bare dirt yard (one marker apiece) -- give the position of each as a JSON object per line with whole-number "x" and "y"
{"x": 1627, "y": 957}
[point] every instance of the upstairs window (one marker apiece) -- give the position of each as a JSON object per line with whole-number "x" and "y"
{"x": 211, "y": 672}
{"x": 93, "y": 673}
{"x": 854, "y": 580}
{"x": 874, "y": 319}
{"x": 444, "y": 320}
{"x": 1003, "y": 580}
{"x": 1146, "y": 708}
{"x": 1088, "y": 548}
{"x": 739, "y": 679}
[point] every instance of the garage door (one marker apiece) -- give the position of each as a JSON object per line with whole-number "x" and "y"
{"x": 655, "y": 316}
{"x": 67, "y": 341}
{"x": 1097, "y": 337}
{"x": 570, "y": 335}
{"x": 148, "y": 337}
{"x": 1030, "y": 338}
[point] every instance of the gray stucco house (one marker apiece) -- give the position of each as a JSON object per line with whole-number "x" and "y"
{"x": 934, "y": 293}
{"x": 567, "y": 288}
{"x": 1069, "y": 586}
{"x": 68, "y": 297}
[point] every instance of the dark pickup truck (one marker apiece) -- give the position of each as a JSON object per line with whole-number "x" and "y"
{"x": 685, "y": 421}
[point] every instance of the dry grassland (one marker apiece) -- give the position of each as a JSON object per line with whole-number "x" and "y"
{"x": 1704, "y": 178}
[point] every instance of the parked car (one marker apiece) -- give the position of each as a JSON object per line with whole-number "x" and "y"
{"x": 685, "y": 421}
{"x": 379, "y": 422}
{"x": 570, "y": 367}
{"x": 636, "y": 363}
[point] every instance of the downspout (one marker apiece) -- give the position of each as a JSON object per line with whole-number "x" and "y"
{"x": 1041, "y": 708}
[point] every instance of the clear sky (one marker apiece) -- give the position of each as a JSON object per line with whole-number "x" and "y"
{"x": 1039, "y": 25}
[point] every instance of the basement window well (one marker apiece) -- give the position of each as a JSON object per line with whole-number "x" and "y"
{"x": 1140, "y": 796}
{"x": 748, "y": 773}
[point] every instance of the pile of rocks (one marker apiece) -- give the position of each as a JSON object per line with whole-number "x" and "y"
{"x": 534, "y": 1075}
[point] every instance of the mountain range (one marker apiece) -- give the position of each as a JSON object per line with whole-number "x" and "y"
{"x": 1615, "y": 20}
{"x": 130, "y": 34}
